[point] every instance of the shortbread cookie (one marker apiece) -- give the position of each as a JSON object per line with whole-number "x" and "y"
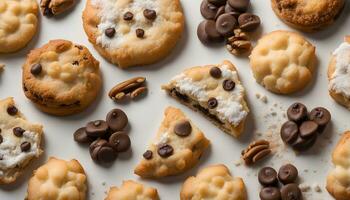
{"x": 213, "y": 183}
{"x": 131, "y": 190}
{"x": 216, "y": 92}
{"x": 133, "y": 32}
{"x": 283, "y": 62}
{"x": 308, "y": 15}
{"x": 61, "y": 78}
{"x": 339, "y": 74}
{"x": 18, "y": 24}
{"x": 56, "y": 180}
{"x": 19, "y": 141}
{"x": 338, "y": 179}
{"x": 176, "y": 148}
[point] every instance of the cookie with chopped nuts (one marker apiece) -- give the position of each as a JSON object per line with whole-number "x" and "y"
{"x": 216, "y": 92}
{"x": 61, "y": 78}
{"x": 20, "y": 141}
{"x": 176, "y": 148}
{"x": 133, "y": 32}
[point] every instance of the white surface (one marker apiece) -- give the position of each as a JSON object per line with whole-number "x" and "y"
{"x": 145, "y": 115}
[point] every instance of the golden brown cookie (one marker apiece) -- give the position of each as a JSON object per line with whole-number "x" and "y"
{"x": 131, "y": 190}
{"x": 133, "y": 32}
{"x": 283, "y": 62}
{"x": 20, "y": 141}
{"x": 58, "y": 180}
{"x": 176, "y": 148}
{"x": 61, "y": 78}
{"x": 18, "y": 24}
{"x": 339, "y": 74}
{"x": 308, "y": 15}
{"x": 216, "y": 92}
{"x": 213, "y": 183}
{"x": 338, "y": 179}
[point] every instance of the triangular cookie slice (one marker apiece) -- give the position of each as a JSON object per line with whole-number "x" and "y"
{"x": 216, "y": 92}
{"x": 176, "y": 148}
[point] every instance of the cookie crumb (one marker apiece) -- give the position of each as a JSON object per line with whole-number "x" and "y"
{"x": 317, "y": 188}
{"x": 104, "y": 183}
{"x": 304, "y": 187}
{"x": 263, "y": 99}
{"x": 238, "y": 163}
{"x": 257, "y": 95}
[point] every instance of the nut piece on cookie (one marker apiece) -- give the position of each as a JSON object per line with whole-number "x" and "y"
{"x": 134, "y": 32}
{"x": 176, "y": 148}
{"x": 20, "y": 141}
{"x": 213, "y": 183}
{"x": 308, "y": 16}
{"x": 55, "y": 7}
{"x": 61, "y": 78}
{"x": 338, "y": 74}
{"x": 58, "y": 179}
{"x": 131, "y": 190}
{"x": 338, "y": 178}
{"x": 283, "y": 62}
{"x": 18, "y": 25}
{"x": 216, "y": 92}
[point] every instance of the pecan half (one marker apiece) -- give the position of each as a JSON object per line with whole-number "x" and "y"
{"x": 131, "y": 88}
{"x": 55, "y": 7}
{"x": 256, "y": 151}
{"x": 239, "y": 43}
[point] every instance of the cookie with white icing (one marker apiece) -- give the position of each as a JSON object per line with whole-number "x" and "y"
{"x": 20, "y": 141}
{"x": 131, "y": 190}
{"x": 133, "y": 32}
{"x": 213, "y": 183}
{"x": 339, "y": 74}
{"x": 216, "y": 92}
{"x": 176, "y": 148}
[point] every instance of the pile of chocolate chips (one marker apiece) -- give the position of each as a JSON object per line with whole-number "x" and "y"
{"x": 270, "y": 180}
{"x": 302, "y": 128}
{"x": 222, "y": 17}
{"x": 106, "y": 138}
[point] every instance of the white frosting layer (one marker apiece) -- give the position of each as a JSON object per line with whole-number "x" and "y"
{"x": 340, "y": 81}
{"x": 10, "y": 150}
{"x": 229, "y": 108}
{"x": 111, "y": 14}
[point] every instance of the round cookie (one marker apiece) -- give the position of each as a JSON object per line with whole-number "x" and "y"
{"x": 133, "y": 32}
{"x": 18, "y": 24}
{"x": 339, "y": 73}
{"x": 61, "y": 78}
{"x": 308, "y": 15}
{"x": 58, "y": 179}
{"x": 283, "y": 62}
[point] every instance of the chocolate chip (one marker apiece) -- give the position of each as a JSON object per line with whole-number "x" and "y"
{"x": 183, "y": 129}
{"x": 232, "y": 11}
{"x": 128, "y": 16}
{"x": 36, "y": 69}
{"x": 150, "y": 14}
{"x": 308, "y": 129}
{"x": 165, "y": 150}
{"x": 288, "y": 174}
{"x": 241, "y": 5}
{"x": 215, "y": 72}
{"x": 106, "y": 154}
{"x": 220, "y": 11}
{"x": 96, "y": 128}
{"x": 140, "y": 33}
{"x": 228, "y": 85}
{"x": 1, "y": 138}
{"x": 120, "y": 141}
{"x": 225, "y": 24}
{"x": 207, "y": 32}
{"x": 148, "y": 155}
{"x": 289, "y": 132}
{"x": 270, "y": 193}
{"x": 18, "y": 131}
{"x": 267, "y": 176}
{"x": 302, "y": 144}
{"x": 217, "y": 2}
{"x": 248, "y": 22}
{"x": 116, "y": 120}
{"x": 75, "y": 62}
{"x": 208, "y": 10}
{"x": 97, "y": 143}
{"x": 110, "y": 32}
{"x": 297, "y": 112}
{"x": 81, "y": 136}
{"x": 25, "y": 146}
{"x": 12, "y": 110}
{"x": 212, "y": 103}
{"x": 291, "y": 192}
{"x": 321, "y": 116}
